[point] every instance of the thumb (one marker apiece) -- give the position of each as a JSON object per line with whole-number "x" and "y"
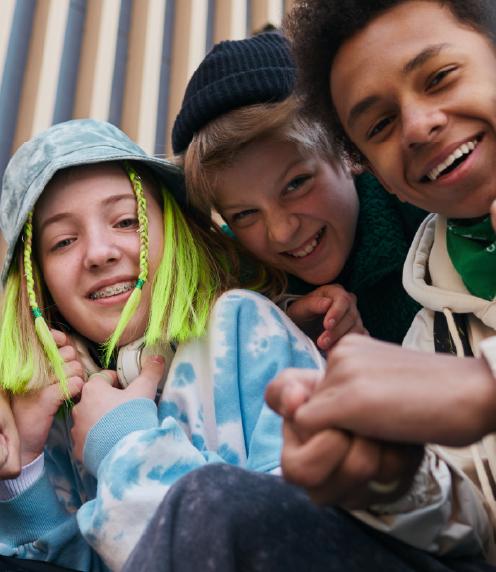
{"x": 492, "y": 211}
{"x": 308, "y": 307}
{"x": 145, "y": 385}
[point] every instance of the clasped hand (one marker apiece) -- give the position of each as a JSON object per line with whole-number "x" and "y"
{"x": 34, "y": 411}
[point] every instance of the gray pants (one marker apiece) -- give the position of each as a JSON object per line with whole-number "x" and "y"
{"x": 221, "y": 518}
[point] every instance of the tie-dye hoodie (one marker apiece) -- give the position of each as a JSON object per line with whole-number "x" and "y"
{"x": 212, "y": 410}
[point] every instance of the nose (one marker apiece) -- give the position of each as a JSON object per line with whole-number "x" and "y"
{"x": 281, "y": 226}
{"x": 421, "y": 123}
{"x": 101, "y": 250}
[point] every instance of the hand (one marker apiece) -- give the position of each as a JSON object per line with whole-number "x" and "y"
{"x": 327, "y": 314}
{"x": 492, "y": 212}
{"x": 99, "y": 397}
{"x": 290, "y": 389}
{"x": 336, "y": 468}
{"x": 34, "y": 411}
{"x": 10, "y": 454}
{"x": 382, "y": 391}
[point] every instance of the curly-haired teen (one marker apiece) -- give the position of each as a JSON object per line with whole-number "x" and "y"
{"x": 104, "y": 269}
{"x": 412, "y": 85}
{"x": 318, "y": 29}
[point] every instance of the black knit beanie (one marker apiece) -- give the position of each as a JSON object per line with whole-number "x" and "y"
{"x": 234, "y": 74}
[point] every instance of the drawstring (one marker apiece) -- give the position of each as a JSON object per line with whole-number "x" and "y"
{"x": 475, "y": 448}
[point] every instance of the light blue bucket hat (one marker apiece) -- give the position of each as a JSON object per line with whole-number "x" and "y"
{"x": 75, "y": 142}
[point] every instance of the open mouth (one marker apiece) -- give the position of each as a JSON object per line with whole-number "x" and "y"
{"x": 308, "y": 248}
{"x": 454, "y": 160}
{"x": 113, "y": 290}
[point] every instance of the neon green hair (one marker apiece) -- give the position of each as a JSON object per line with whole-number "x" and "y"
{"x": 135, "y": 298}
{"x": 196, "y": 266}
{"x": 186, "y": 282}
{"x": 16, "y": 357}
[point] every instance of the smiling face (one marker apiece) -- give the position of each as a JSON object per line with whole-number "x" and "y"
{"x": 294, "y": 212}
{"x": 416, "y": 92}
{"x": 88, "y": 247}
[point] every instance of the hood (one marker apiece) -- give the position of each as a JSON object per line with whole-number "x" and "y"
{"x": 430, "y": 278}
{"x": 68, "y": 144}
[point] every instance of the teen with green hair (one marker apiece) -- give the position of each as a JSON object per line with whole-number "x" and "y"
{"x": 109, "y": 282}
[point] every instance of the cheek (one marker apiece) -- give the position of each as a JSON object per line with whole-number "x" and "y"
{"x": 253, "y": 239}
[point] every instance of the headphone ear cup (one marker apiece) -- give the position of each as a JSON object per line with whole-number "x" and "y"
{"x": 129, "y": 362}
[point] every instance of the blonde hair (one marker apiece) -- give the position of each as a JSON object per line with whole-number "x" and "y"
{"x": 218, "y": 143}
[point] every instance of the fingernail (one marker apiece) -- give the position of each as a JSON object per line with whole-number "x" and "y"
{"x": 158, "y": 359}
{"x": 331, "y": 323}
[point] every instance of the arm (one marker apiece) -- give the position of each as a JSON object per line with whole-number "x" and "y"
{"x": 381, "y": 391}
{"x": 212, "y": 410}
{"x": 37, "y": 509}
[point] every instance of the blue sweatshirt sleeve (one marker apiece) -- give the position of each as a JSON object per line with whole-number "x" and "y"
{"x": 40, "y": 523}
{"x": 212, "y": 410}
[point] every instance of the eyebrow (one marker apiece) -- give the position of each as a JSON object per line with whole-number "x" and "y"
{"x": 64, "y": 215}
{"x": 281, "y": 177}
{"x": 417, "y": 61}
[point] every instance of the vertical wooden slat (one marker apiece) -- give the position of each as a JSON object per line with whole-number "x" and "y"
{"x": 188, "y": 50}
{"x": 40, "y": 81}
{"x": 230, "y": 20}
{"x": 8, "y": 7}
{"x": 288, "y": 6}
{"x": 139, "y": 118}
{"x": 265, "y": 12}
{"x": 97, "y": 59}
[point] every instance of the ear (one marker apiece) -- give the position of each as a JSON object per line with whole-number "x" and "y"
{"x": 368, "y": 168}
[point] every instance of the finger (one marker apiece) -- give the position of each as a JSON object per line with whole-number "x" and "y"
{"x": 10, "y": 458}
{"x": 104, "y": 376}
{"x": 290, "y": 389}
{"x": 347, "y": 486}
{"x": 345, "y": 326}
{"x": 146, "y": 384}
{"x": 74, "y": 369}
{"x": 341, "y": 304}
{"x": 308, "y": 307}
{"x": 59, "y": 337}
{"x": 309, "y": 463}
{"x": 68, "y": 353}
{"x": 52, "y": 396}
{"x": 493, "y": 214}
{"x": 399, "y": 462}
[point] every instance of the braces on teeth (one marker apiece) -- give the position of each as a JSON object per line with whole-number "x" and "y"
{"x": 112, "y": 291}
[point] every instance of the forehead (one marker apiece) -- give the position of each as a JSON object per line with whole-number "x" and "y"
{"x": 392, "y": 39}
{"x": 73, "y": 184}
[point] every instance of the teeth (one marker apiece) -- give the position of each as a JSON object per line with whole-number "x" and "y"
{"x": 309, "y": 248}
{"x": 113, "y": 290}
{"x": 464, "y": 149}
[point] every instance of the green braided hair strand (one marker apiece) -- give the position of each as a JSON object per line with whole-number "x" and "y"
{"x": 16, "y": 357}
{"x": 185, "y": 285}
{"x": 42, "y": 331}
{"x": 135, "y": 298}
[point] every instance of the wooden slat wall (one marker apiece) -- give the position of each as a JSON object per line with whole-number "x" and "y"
{"x": 124, "y": 61}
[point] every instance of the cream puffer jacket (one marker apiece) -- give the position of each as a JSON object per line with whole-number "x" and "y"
{"x": 430, "y": 278}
